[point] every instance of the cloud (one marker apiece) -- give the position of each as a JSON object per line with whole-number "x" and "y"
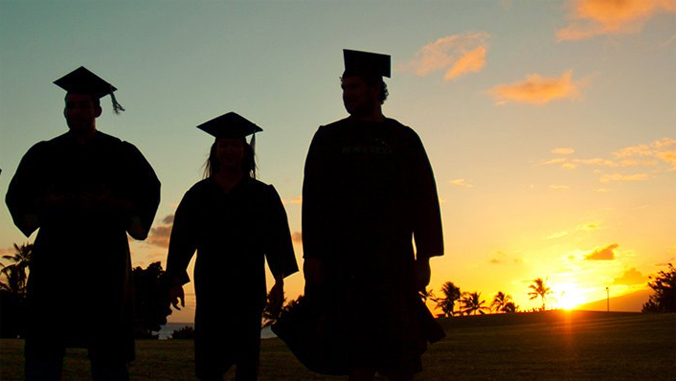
{"x": 538, "y": 90}
{"x": 623, "y": 178}
{"x": 297, "y": 238}
{"x": 159, "y": 235}
{"x": 472, "y": 62}
{"x": 457, "y": 54}
{"x": 563, "y": 151}
{"x": 461, "y": 183}
{"x": 631, "y": 277}
{"x": 590, "y": 18}
{"x": 605, "y": 254}
{"x": 559, "y": 187}
{"x": 297, "y": 200}
{"x": 663, "y": 150}
{"x": 502, "y": 258}
{"x": 659, "y": 156}
{"x": 585, "y": 227}
{"x": 168, "y": 220}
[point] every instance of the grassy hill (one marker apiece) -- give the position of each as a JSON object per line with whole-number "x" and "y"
{"x": 553, "y": 345}
{"x": 629, "y": 302}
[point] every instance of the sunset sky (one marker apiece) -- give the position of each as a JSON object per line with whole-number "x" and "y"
{"x": 550, "y": 125}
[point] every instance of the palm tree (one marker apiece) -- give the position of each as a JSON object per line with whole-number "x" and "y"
{"x": 540, "y": 290}
{"x": 472, "y": 303}
{"x": 16, "y": 272}
{"x": 447, "y": 303}
{"x": 502, "y": 303}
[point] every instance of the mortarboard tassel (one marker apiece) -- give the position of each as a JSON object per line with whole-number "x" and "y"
{"x": 117, "y": 107}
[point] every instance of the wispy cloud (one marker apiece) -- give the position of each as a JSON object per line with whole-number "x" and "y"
{"x": 563, "y": 151}
{"x": 657, "y": 156}
{"x": 159, "y": 235}
{"x": 538, "y": 90}
{"x": 590, "y": 18}
{"x": 502, "y": 258}
{"x": 585, "y": 227}
{"x": 461, "y": 183}
{"x": 604, "y": 254}
{"x": 663, "y": 150}
{"x": 631, "y": 277}
{"x": 297, "y": 238}
{"x": 614, "y": 177}
{"x": 457, "y": 54}
{"x": 297, "y": 200}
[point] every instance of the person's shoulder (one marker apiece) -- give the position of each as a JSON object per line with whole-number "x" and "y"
{"x": 333, "y": 126}
{"x": 259, "y": 186}
{"x": 398, "y": 126}
{"x": 263, "y": 189}
{"x": 202, "y": 185}
{"x": 200, "y": 189}
{"x": 402, "y": 129}
{"x": 44, "y": 146}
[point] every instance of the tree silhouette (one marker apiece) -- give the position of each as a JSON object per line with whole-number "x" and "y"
{"x": 664, "y": 298}
{"x": 151, "y": 300}
{"x": 472, "y": 303}
{"x": 503, "y": 303}
{"x": 184, "y": 333}
{"x": 447, "y": 303}
{"x": 539, "y": 290}
{"x": 15, "y": 273}
{"x": 13, "y": 291}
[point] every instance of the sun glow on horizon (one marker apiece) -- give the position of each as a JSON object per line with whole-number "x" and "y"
{"x": 571, "y": 296}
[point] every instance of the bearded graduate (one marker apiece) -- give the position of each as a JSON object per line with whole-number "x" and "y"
{"x": 235, "y": 223}
{"x": 368, "y": 194}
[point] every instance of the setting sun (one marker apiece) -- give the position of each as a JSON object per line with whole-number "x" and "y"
{"x": 570, "y": 296}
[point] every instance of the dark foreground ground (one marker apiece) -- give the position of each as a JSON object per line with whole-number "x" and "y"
{"x": 554, "y": 345}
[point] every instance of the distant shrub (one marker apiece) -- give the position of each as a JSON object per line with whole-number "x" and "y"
{"x": 185, "y": 333}
{"x": 664, "y": 298}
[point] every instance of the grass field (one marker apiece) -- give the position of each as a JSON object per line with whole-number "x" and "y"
{"x": 554, "y": 345}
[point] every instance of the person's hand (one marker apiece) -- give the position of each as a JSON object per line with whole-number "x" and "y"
{"x": 276, "y": 297}
{"x": 313, "y": 270}
{"x": 423, "y": 273}
{"x": 175, "y": 295}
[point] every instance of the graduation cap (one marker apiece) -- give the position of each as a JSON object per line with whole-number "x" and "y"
{"x": 231, "y": 125}
{"x": 84, "y": 81}
{"x": 365, "y": 63}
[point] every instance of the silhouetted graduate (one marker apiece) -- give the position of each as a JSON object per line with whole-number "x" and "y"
{"x": 235, "y": 223}
{"x": 368, "y": 192}
{"x": 84, "y": 191}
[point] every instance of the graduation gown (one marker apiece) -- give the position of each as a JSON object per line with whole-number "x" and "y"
{"x": 234, "y": 233}
{"x": 79, "y": 287}
{"x": 368, "y": 192}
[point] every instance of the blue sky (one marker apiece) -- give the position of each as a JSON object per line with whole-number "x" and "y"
{"x": 551, "y": 125}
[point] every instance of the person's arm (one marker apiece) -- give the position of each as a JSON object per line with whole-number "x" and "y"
{"x": 427, "y": 227}
{"x": 182, "y": 246}
{"x": 142, "y": 206}
{"x": 279, "y": 252}
{"x": 27, "y": 193}
{"x": 314, "y": 212}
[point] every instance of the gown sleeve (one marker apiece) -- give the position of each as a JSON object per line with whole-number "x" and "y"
{"x": 279, "y": 253}
{"x": 183, "y": 240}
{"x": 316, "y": 188}
{"x": 24, "y": 190}
{"x": 427, "y": 228}
{"x": 145, "y": 196}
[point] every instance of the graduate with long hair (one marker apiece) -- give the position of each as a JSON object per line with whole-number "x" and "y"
{"x": 235, "y": 223}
